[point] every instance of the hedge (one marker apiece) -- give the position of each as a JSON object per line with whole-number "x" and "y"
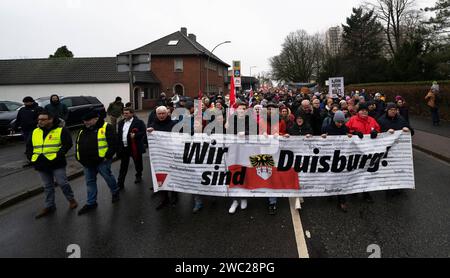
{"x": 414, "y": 94}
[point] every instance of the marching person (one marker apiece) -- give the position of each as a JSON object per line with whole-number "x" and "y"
{"x": 95, "y": 148}
{"x": 338, "y": 127}
{"x": 46, "y": 149}
{"x": 361, "y": 124}
{"x": 163, "y": 122}
{"x": 131, "y": 132}
{"x": 27, "y": 119}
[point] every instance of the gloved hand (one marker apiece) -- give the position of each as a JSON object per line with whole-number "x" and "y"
{"x": 373, "y": 134}
{"x": 359, "y": 134}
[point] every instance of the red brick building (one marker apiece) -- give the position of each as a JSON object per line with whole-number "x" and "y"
{"x": 179, "y": 63}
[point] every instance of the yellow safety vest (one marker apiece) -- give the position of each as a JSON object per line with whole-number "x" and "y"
{"x": 49, "y": 146}
{"x": 101, "y": 141}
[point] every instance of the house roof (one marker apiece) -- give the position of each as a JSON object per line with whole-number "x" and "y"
{"x": 67, "y": 71}
{"x": 185, "y": 46}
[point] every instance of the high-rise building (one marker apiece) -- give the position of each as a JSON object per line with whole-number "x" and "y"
{"x": 334, "y": 39}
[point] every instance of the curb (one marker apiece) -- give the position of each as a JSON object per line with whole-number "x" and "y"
{"x": 36, "y": 191}
{"x": 434, "y": 154}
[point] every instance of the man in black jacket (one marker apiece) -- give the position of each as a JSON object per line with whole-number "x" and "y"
{"x": 392, "y": 120}
{"x": 27, "y": 119}
{"x": 95, "y": 148}
{"x": 131, "y": 133}
{"x": 163, "y": 122}
{"x": 46, "y": 149}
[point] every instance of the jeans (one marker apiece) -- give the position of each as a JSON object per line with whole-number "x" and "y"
{"x": 90, "y": 173}
{"x": 49, "y": 185}
{"x": 435, "y": 115}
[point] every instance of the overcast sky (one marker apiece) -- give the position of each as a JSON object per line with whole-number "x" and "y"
{"x": 103, "y": 28}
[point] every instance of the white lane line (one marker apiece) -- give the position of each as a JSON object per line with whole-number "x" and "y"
{"x": 298, "y": 231}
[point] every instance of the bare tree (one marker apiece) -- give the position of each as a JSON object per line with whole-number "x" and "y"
{"x": 298, "y": 60}
{"x": 395, "y": 15}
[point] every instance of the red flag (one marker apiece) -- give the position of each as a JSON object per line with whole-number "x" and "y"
{"x": 200, "y": 96}
{"x": 232, "y": 93}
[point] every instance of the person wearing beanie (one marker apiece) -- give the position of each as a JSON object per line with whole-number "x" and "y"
{"x": 95, "y": 147}
{"x": 338, "y": 127}
{"x": 361, "y": 124}
{"x": 27, "y": 119}
{"x": 57, "y": 108}
{"x": 391, "y": 120}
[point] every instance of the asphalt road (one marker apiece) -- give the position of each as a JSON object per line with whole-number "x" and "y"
{"x": 414, "y": 224}
{"x": 133, "y": 228}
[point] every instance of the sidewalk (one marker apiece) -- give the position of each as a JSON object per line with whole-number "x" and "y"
{"x": 434, "y": 140}
{"x": 17, "y": 184}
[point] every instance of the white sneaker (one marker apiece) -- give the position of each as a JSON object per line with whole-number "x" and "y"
{"x": 233, "y": 207}
{"x": 243, "y": 204}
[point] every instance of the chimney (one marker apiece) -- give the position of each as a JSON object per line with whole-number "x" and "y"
{"x": 192, "y": 37}
{"x": 184, "y": 31}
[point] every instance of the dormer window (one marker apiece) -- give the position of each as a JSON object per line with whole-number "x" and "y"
{"x": 173, "y": 42}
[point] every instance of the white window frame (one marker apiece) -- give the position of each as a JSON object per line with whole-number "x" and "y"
{"x": 176, "y": 65}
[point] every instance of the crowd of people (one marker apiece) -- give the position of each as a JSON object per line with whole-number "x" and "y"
{"x": 297, "y": 114}
{"x": 302, "y": 114}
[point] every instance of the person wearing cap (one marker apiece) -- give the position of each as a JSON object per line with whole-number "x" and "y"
{"x": 46, "y": 149}
{"x": 114, "y": 111}
{"x": 95, "y": 147}
{"x": 27, "y": 119}
{"x": 338, "y": 127}
{"x": 361, "y": 124}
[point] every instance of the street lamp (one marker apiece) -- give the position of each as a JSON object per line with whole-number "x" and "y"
{"x": 251, "y": 77}
{"x": 207, "y": 65}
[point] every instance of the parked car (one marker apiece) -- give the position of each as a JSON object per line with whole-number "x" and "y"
{"x": 8, "y": 115}
{"x": 77, "y": 106}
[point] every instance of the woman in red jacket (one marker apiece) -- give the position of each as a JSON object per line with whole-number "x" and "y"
{"x": 361, "y": 124}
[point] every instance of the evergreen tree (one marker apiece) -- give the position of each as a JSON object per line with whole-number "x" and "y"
{"x": 62, "y": 52}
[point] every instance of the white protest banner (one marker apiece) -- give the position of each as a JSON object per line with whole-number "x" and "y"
{"x": 256, "y": 166}
{"x": 336, "y": 86}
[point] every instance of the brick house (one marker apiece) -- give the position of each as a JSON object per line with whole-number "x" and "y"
{"x": 180, "y": 63}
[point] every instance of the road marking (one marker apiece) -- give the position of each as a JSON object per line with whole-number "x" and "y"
{"x": 298, "y": 231}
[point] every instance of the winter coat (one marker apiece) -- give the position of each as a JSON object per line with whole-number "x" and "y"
{"x": 297, "y": 130}
{"x": 27, "y": 117}
{"x": 88, "y": 144}
{"x": 363, "y": 125}
{"x": 42, "y": 163}
{"x": 115, "y": 109}
{"x": 396, "y": 123}
{"x": 332, "y": 129}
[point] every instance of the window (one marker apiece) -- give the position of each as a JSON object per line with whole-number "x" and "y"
{"x": 12, "y": 106}
{"x": 78, "y": 101}
{"x": 220, "y": 71}
{"x": 174, "y": 42}
{"x": 178, "y": 64}
{"x": 212, "y": 65}
{"x": 93, "y": 100}
{"x": 67, "y": 102}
